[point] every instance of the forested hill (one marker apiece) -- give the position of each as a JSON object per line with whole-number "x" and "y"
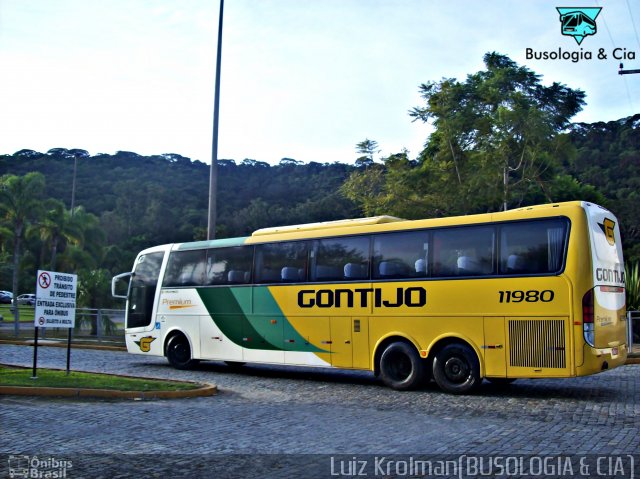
{"x": 608, "y": 157}
{"x": 146, "y": 200}
{"x": 159, "y": 199}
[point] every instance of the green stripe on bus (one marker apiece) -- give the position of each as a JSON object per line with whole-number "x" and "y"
{"x": 230, "y": 309}
{"x": 268, "y": 304}
{"x": 229, "y": 315}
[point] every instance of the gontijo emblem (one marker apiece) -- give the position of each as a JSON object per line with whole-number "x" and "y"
{"x": 145, "y": 343}
{"x": 578, "y": 22}
{"x": 608, "y": 227}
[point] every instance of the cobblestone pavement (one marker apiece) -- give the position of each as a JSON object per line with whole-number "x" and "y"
{"x": 268, "y": 410}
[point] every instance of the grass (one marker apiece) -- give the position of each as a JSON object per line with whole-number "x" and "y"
{"x": 59, "y": 379}
{"x": 26, "y": 313}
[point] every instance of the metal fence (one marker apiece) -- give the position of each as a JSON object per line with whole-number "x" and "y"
{"x": 99, "y": 323}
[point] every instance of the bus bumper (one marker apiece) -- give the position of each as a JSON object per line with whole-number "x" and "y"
{"x": 600, "y": 359}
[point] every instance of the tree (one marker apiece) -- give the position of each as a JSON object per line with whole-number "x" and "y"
{"x": 367, "y": 148}
{"x": 85, "y": 241}
{"x": 608, "y": 157}
{"x": 56, "y": 225}
{"x": 94, "y": 292}
{"x": 496, "y": 136}
{"x": 19, "y": 208}
{"x": 365, "y": 188}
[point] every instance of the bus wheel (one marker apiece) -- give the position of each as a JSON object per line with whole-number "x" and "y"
{"x": 401, "y": 367}
{"x": 456, "y": 369}
{"x": 179, "y": 353}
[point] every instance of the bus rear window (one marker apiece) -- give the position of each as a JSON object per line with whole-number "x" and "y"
{"x": 533, "y": 247}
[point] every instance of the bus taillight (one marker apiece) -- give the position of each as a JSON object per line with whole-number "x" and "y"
{"x": 587, "y": 318}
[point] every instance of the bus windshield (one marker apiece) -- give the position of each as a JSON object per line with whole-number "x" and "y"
{"x": 143, "y": 289}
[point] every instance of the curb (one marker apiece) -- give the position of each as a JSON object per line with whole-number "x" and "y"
{"x": 206, "y": 389}
{"x": 62, "y": 344}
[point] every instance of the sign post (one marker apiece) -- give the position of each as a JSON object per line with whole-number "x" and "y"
{"x": 55, "y": 306}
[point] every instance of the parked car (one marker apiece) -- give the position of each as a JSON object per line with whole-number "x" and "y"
{"x": 27, "y": 299}
{"x": 6, "y": 297}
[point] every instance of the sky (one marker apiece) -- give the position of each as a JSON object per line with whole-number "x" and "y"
{"x": 301, "y": 79}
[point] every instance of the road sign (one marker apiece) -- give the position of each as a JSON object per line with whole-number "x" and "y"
{"x": 55, "y": 300}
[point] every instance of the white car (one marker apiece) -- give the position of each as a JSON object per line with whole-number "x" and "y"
{"x": 28, "y": 299}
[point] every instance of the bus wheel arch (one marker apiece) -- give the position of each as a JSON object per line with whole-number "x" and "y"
{"x": 178, "y": 350}
{"x": 456, "y": 366}
{"x": 398, "y": 363}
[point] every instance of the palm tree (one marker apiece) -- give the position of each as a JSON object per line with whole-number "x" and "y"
{"x": 20, "y": 206}
{"x": 84, "y": 241}
{"x": 55, "y": 227}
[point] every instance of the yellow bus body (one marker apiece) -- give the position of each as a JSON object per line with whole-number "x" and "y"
{"x": 517, "y": 326}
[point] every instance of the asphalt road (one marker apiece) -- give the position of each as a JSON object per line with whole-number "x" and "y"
{"x": 284, "y": 422}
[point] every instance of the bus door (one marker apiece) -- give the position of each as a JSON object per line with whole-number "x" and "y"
{"x": 263, "y": 333}
{"x": 350, "y": 342}
{"x": 307, "y": 340}
{"x": 263, "y": 337}
{"x": 341, "y": 341}
{"x": 218, "y": 344}
{"x": 494, "y": 348}
{"x": 222, "y": 330}
{"x": 141, "y": 301}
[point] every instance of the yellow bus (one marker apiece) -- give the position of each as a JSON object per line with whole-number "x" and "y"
{"x": 535, "y": 292}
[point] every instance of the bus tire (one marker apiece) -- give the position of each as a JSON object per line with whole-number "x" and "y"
{"x": 179, "y": 352}
{"x": 456, "y": 369}
{"x": 401, "y": 367}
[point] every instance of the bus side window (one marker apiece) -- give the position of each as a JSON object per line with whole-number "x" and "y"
{"x": 401, "y": 255}
{"x": 340, "y": 259}
{"x": 464, "y": 251}
{"x": 284, "y": 262}
{"x": 515, "y": 264}
{"x": 185, "y": 268}
{"x": 532, "y": 247}
{"x": 230, "y": 265}
{"x": 237, "y": 277}
{"x": 354, "y": 271}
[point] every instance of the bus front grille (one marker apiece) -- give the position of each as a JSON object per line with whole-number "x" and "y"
{"x": 537, "y": 343}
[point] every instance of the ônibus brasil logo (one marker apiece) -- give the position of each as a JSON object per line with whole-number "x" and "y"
{"x": 578, "y": 22}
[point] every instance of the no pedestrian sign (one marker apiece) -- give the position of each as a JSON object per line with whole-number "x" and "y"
{"x": 55, "y": 300}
